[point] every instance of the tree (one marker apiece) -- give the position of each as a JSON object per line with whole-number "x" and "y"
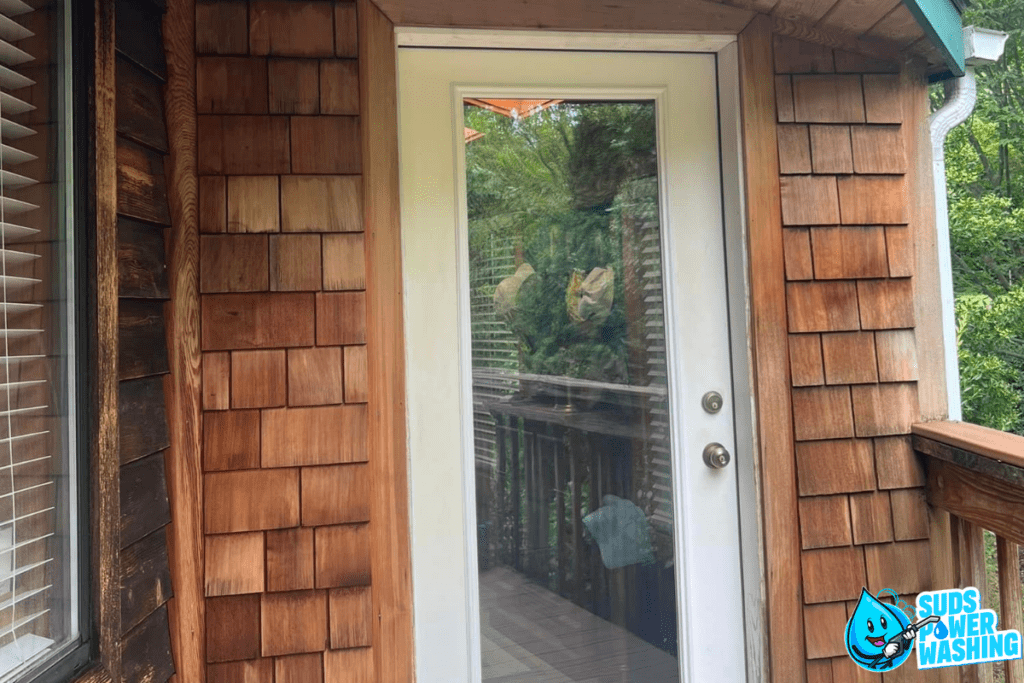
{"x": 984, "y": 166}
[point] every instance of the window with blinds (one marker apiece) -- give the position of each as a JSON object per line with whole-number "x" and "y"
{"x": 39, "y": 595}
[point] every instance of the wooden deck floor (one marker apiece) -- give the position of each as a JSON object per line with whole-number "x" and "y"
{"x": 531, "y": 635}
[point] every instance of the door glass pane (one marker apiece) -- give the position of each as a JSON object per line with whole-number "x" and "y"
{"x": 572, "y": 453}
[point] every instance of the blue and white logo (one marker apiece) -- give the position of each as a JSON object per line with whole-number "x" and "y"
{"x": 967, "y": 634}
{"x": 879, "y": 636}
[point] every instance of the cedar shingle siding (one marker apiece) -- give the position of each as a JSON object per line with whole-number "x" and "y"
{"x": 286, "y": 492}
{"x": 849, "y": 272}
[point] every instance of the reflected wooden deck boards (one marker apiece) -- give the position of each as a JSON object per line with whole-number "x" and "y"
{"x": 530, "y": 634}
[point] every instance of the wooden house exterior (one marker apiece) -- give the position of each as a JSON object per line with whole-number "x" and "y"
{"x": 249, "y": 459}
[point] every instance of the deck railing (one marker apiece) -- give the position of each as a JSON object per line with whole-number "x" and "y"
{"x": 976, "y": 475}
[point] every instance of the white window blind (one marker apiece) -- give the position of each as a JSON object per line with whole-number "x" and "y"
{"x": 37, "y": 599}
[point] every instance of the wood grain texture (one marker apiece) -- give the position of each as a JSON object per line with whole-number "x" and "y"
{"x": 221, "y": 27}
{"x": 216, "y": 381}
{"x": 899, "y": 243}
{"x": 794, "y": 149}
{"x": 350, "y": 617}
{"x": 295, "y": 263}
{"x": 924, "y": 260}
{"x": 805, "y": 360}
{"x": 356, "y": 665}
{"x": 142, "y": 43}
{"x": 341, "y": 318}
{"x": 824, "y": 523}
{"x": 289, "y": 559}
{"x": 213, "y": 204}
{"x": 251, "y": 671}
{"x": 233, "y": 263}
{"x": 335, "y": 495}
{"x": 830, "y": 149}
{"x": 258, "y": 378}
{"x": 897, "y": 465}
{"x": 822, "y": 413}
{"x": 145, "y": 579}
{"x": 849, "y": 358}
{"x": 873, "y": 199}
{"x": 231, "y": 440}
{"x": 771, "y": 369}
{"x": 831, "y": 574}
{"x": 253, "y": 204}
{"x": 797, "y": 248}
{"x": 872, "y": 517}
{"x": 323, "y": 435}
{"x": 1010, "y": 617}
{"x": 142, "y": 427}
{"x": 344, "y": 265}
{"x": 882, "y": 99}
{"x": 343, "y": 555}
{"x": 141, "y": 333}
{"x": 346, "y": 29}
{"x": 356, "y": 390}
{"x": 800, "y": 57}
{"x": 234, "y": 564}
{"x": 279, "y": 27}
{"x": 985, "y": 441}
{"x": 233, "y": 628}
{"x": 844, "y": 252}
{"x": 878, "y": 149}
{"x": 840, "y": 466}
{"x": 822, "y": 306}
{"x": 644, "y": 15}
{"x": 828, "y": 99}
{"x": 141, "y": 261}
{"x": 294, "y": 86}
{"x": 910, "y": 517}
{"x": 146, "y": 651}
{"x": 231, "y": 85}
{"x": 390, "y": 559}
{"x": 897, "y": 355}
{"x": 904, "y": 567}
{"x": 325, "y": 144}
{"x": 821, "y": 623}
{"x": 339, "y": 86}
{"x": 105, "y": 480}
{"x": 250, "y": 500}
{"x": 885, "y": 409}
{"x": 304, "y": 668}
{"x": 886, "y": 304}
{"x": 141, "y": 186}
{"x": 252, "y": 321}
{"x": 294, "y": 622}
{"x": 144, "y": 503}
{"x": 140, "y": 106}
{"x": 321, "y": 204}
{"x": 315, "y": 376}
{"x": 809, "y": 200}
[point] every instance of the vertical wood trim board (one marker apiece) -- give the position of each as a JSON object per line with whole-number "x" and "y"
{"x": 771, "y": 359}
{"x": 105, "y": 444}
{"x": 182, "y": 386}
{"x": 391, "y": 563}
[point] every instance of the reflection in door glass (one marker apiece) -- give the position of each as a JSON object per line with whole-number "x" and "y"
{"x": 573, "y": 463}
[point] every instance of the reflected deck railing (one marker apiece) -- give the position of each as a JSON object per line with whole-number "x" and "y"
{"x": 976, "y": 475}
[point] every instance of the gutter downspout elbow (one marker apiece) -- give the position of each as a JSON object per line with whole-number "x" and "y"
{"x": 955, "y": 111}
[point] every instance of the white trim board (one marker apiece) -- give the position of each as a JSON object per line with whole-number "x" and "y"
{"x": 560, "y": 40}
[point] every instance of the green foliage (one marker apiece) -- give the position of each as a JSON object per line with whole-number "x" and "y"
{"x": 556, "y": 184}
{"x": 984, "y": 167}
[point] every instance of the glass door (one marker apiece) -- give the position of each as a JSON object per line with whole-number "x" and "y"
{"x": 566, "y": 311}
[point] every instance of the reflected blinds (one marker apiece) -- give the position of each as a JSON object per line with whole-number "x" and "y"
{"x": 27, "y": 474}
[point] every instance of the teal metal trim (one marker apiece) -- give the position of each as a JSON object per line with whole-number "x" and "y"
{"x": 943, "y": 25}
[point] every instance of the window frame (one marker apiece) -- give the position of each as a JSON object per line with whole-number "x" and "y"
{"x": 75, "y": 660}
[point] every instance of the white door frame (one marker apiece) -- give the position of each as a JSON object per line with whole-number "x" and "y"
{"x": 724, "y": 48}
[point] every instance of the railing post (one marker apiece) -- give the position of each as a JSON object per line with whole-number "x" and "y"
{"x": 1010, "y": 617}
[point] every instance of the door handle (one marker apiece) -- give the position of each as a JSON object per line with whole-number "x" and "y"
{"x": 716, "y": 456}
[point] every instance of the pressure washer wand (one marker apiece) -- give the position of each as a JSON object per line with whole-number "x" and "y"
{"x": 899, "y": 643}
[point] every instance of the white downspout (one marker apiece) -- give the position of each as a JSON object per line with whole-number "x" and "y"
{"x": 981, "y": 46}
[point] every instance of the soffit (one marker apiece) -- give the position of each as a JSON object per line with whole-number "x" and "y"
{"x": 878, "y": 28}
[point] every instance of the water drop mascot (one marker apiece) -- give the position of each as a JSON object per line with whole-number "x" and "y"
{"x": 880, "y": 636}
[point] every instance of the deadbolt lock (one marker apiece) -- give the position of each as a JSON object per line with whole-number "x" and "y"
{"x": 712, "y": 402}
{"x": 716, "y": 456}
